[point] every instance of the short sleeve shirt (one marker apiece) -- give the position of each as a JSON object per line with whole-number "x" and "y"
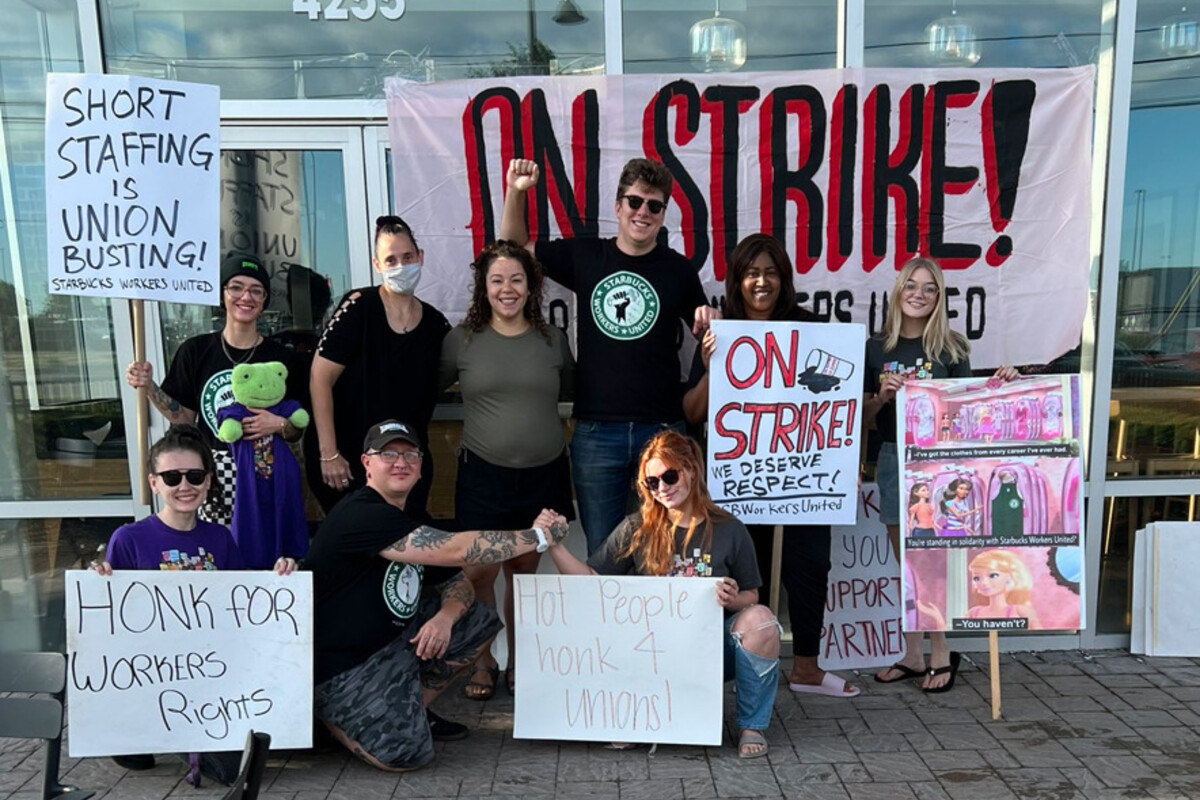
{"x": 152, "y": 544}
{"x": 630, "y": 310}
{"x": 910, "y": 361}
{"x": 361, "y": 600}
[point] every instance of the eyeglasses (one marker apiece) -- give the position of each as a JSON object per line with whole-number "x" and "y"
{"x": 236, "y": 290}
{"x": 929, "y": 289}
{"x": 668, "y": 478}
{"x": 392, "y": 456}
{"x": 172, "y": 477}
{"x": 635, "y": 202}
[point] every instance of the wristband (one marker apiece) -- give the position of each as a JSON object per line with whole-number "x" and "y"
{"x": 542, "y": 545}
{"x": 333, "y": 457}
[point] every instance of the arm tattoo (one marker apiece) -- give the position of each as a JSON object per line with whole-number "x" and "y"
{"x": 457, "y": 590}
{"x": 169, "y": 406}
{"x": 423, "y": 538}
{"x": 492, "y": 547}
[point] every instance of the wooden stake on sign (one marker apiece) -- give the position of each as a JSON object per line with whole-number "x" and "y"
{"x": 138, "y": 308}
{"x": 994, "y": 657}
{"x": 776, "y": 557}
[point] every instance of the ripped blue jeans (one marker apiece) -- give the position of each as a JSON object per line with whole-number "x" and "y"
{"x": 756, "y": 679}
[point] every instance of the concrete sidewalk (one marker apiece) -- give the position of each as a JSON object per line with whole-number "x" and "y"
{"x": 1100, "y": 725}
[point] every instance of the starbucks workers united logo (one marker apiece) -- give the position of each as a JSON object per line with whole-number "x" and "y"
{"x": 402, "y": 589}
{"x": 625, "y": 306}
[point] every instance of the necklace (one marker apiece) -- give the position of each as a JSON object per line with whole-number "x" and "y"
{"x": 249, "y": 355}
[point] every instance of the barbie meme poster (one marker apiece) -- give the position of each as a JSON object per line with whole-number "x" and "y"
{"x": 992, "y": 508}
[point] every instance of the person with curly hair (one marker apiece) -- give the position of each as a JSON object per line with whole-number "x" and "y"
{"x": 679, "y": 531}
{"x": 512, "y": 369}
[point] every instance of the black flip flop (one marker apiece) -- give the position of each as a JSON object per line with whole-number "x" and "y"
{"x": 906, "y": 674}
{"x": 955, "y": 660}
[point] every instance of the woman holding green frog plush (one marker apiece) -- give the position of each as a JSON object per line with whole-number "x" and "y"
{"x": 268, "y": 507}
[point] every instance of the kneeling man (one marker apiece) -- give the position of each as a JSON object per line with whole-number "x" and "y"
{"x": 383, "y": 651}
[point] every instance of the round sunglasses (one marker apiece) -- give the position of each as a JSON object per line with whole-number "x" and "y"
{"x": 172, "y": 477}
{"x": 668, "y": 478}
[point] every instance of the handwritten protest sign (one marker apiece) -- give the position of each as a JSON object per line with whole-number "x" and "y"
{"x": 631, "y": 659}
{"x": 132, "y": 188}
{"x": 187, "y": 661}
{"x": 864, "y": 607}
{"x": 992, "y": 508}
{"x": 783, "y": 421}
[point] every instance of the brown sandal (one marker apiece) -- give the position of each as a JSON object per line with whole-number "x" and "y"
{"x": 478, "y": 690}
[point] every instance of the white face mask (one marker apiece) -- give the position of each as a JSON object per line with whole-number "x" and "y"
{"x": 402, "y": 279}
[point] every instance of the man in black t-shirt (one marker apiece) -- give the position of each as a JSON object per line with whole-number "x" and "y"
{"x": 382, "y": 651}
{"x": 632, "y": 292}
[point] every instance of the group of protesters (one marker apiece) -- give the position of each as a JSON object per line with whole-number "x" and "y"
{"x": 383, "y": 648}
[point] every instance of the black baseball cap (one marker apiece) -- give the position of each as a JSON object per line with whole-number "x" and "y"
{"x": 389, "y": 431}
{"x": 245, "y": 266}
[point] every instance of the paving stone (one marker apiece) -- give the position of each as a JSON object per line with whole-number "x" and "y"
{"x": 880, "y": 791}
{"x": 968, "y": 736}
{"x": 699, "y": 788}
{"x": 745, "y": 779}
{"x": 1040, "y": 783}
{"x": 1075, "y": 685}
{"x": 801, "y": 774}
{"x": 853, "y": 773}
{"x": 891, "y": 722}
{"x": 1043, "y": 753}
{"x": 835, "y": 749}
{"x": 590, "y": 790}
{"x": 922, "y": 742}
{"x": 879, "y": 743}
{"x": 1096, "y": 724}
{"x": 952, "y": 759}
{"x": 1122, "y": 771}
{"x": 660, "y": 789}
{"x": 928, "y": 791}
{"x": 890, "y": 767}
{"x": 816, "y": 791}
{"x": 974, "y": 785}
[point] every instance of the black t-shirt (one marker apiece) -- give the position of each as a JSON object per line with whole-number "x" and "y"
{"x": 361, "y": 600}
{"x": 201, "y": 377}
{"x": 387, "y": 375}
{"x": 729, "y": 554}
{"x": 909, "y": 360}
{"x": 630, "y": 308}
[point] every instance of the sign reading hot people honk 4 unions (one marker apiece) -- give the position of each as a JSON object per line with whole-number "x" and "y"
{"x": 784, "y": 410}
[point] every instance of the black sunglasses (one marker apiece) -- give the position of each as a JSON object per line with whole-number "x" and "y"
{"x": 668, "y": 478}
{"x": 636, "y": 200}
{"x": 172, "y": 477}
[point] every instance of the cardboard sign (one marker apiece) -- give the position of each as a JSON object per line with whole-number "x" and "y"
{"x": 854, "y": 170}
{"x": 783, "y": 421}
{"x": 132, "y": 188}
{"x": 182, "y": 662}
{"x": 864, "y": 609}
{"x": 992, "y": 504}
{"x": 625, "y": 659}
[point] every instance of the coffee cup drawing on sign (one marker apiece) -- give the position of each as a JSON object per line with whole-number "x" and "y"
{"x": 824, "y": 371}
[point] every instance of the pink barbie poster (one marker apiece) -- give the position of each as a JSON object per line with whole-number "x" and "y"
{"x": 991, "y": 502}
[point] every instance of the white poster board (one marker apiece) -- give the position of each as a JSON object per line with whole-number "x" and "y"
{"x": 179, "y": 662}
{"x": 864, "y": 609}
{"x": 1166, "y": 617}
{"x": 132, "y": 188}
{"x": 624, "y": 659}
{"x": 784, "y": 409}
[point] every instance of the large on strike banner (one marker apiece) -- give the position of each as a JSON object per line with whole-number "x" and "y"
{"x": 132, "y": 188}
{"x": 784, "y": 407}
{"x": 987, "y": 171}
{"x": 179, "y": 662}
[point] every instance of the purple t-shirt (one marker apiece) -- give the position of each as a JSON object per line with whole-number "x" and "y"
{"x": 151, "y": 544}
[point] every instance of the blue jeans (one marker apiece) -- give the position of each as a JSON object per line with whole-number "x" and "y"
{"x": 604, "y": 462}
{"x": 756, "y": 679}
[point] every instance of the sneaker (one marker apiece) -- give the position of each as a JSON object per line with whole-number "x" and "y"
{"x": 221, "y": 767}
{"x": 135, "y": 762}
{"x": 443, "y": 730}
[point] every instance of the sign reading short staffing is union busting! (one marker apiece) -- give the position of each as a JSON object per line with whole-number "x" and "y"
{"x": 783, "y": 421}
{"x": 132, "y": 188}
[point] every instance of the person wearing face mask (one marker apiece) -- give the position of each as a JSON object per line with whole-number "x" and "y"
{"x": 377, "y": 359}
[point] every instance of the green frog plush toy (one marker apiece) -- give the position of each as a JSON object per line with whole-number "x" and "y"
{"x": 268, "y": 505}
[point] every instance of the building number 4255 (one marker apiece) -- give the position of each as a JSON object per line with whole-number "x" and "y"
{"x": 342, "y": 9}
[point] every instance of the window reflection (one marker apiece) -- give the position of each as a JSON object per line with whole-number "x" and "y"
{"x": 780, "y": 34}
{"x": 1123, "y": 517}
{"x": 900, "y": 33}
{"x": 264, "y": 49}
{"x": 1155, "y": 428}
{"x": 62, "y": 433}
